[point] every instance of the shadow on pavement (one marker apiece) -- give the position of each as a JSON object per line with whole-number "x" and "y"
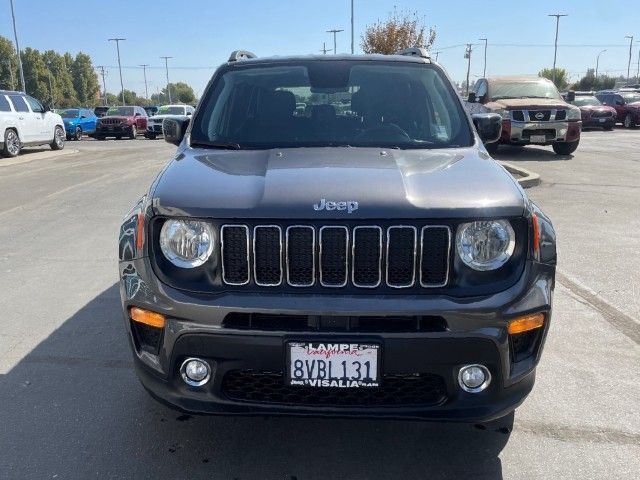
{"x": 73, "y": 408}
{"x": 528, "y": 154}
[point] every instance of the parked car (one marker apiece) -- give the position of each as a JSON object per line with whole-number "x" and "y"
{"x": 122, "y": 122}
{"x": 154, "y": 127}
{"x": 100, "y": 111}
{"x": 78, "y": 122}
{"x": 374, "y": 263}
{"x": 594, "y": 113}
{"x": 25, "y": 121}
{"x": 151, "y": 111}
{"x": 626, "y": 104}
{"x": 532, "y": 110}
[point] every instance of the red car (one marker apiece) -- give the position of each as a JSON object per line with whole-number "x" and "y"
{"x": 627, "y": 105}
{"x": 121, "y": 122}
{"x": 594, "y": 113}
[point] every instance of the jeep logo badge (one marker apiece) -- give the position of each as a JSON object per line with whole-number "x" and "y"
{"x": 539, "y": 116}
{"x": 350, "y": 206}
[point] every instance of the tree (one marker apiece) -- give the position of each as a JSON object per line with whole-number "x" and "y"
{"x": 400, "y": 30}
{"x": 64, "y": 94}
{"x": 36, "y": 75}
{"x": 590, "y": 82}
{"x": 180, "y": 93}
{"x": 85, "y": 80}
{"x": 8, "y": 65}
{"x": 562, "y": 77}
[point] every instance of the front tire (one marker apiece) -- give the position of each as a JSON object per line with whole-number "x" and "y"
{"x": 12, "y": 145}
{"x": 134, "y": 133}
{"x": 151, "y": 136}
{"x": 628, "y": 121}
{"x": 78, "y": 134}
{"x": 58, "y": 139}
{"x": 565, "y": 148}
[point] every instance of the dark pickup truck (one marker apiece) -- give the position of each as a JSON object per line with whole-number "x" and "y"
{"x": 363, "y": 256}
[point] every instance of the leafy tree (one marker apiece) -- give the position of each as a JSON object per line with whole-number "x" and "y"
{"x": 400, "y": 30}
{"x": 36, "y": 75}
{"x": 8, "y": 65}
{"x": 180, "y": 93}
{"x": 590, "y": 82}
{"x": 562, "y": 77}
{"x": 85, "y": 80}
{"x": 64, "y": 94}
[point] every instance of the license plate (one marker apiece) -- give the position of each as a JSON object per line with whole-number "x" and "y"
{"x": 324, "y": 365}
{"x": 537, "y": 139}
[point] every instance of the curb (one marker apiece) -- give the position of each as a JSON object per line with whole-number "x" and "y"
{"x": 31, "y": 156}
{"x": 526, "y": 178}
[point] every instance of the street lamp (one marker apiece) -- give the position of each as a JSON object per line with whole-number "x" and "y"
{"x": 118, "y": 40}
{"x": 555, "y": 45}
{"x": 630, "y": 37}
{"x": 334, "y": 31}
{"x": 484, "y": 74}
{"x": 467, "y": 55}
{"x": 598, "y": 62}
{"x": 166, "y": 67}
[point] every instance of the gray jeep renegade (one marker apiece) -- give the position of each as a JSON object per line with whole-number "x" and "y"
{"x": 332, "y": 238}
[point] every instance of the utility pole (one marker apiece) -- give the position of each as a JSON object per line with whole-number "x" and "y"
{"x": 484, "y": 72}
{"x": 637, "y": 71}
{"x": 630, "y": 37}
{"x": 467, "y": 55}
{"x": 324, "y": 48}
{"x": 352, "y": 45}
{"x": 555, "y": 45}
{"x": 104, "y": 86}
{"x": 146, "y": 90}
{"x": 166, "y": 67}
{"x": 334, "y": 31}
{"x": 15, "y": 35}
{"x": 118, "y": 40}
{"x": 436, "y": 54}
{"x": 598, "y": 62}
{"x": 51, "y": 90}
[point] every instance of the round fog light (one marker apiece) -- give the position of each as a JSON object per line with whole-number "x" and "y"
{"x": 474, "y": 378}
{"x": 195, "y": 372}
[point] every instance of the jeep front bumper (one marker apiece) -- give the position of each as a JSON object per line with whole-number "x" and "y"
{"x": 542, "y": 133}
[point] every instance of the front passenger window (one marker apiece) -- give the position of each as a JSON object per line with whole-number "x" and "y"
{"x": 36, "y": 106}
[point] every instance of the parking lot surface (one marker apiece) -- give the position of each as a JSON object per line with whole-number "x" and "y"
{"x": 73, "y": 408}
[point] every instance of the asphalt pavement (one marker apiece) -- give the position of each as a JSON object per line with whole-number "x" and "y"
{"x": 72, "y": 408}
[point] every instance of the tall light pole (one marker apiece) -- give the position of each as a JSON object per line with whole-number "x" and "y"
{"x": 467, "y": 55}
{"x": 555, "y": 45}
{"x": 166, "y": 67}
{"x": 484, "y": 71}
{"x": 598, "y": 62}
{"x": 144, "y": 71}
{"x": 334, "y": 31}
{"x": 630, "y": 37}
{"x": 637, "y": 71}
{"x": 352, "y": 45}
{"x": 118, "y": 40}
{"x": 15, "y": 35}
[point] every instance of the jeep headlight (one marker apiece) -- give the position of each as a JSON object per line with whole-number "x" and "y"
{"x": 574, "y": 114}
{"x": 486, "y": 244}
{"x": 187, "y": 243}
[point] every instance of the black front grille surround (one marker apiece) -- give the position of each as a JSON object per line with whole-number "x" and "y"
{"x": 423, "y": 389}
{"x": 335, "y": 256}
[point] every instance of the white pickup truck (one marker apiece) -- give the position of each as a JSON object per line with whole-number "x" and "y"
{"x": 154, "y": 127}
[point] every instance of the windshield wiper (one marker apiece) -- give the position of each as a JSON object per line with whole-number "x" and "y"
{"x": 218, "y": 145}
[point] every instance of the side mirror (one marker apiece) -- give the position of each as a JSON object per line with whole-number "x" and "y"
{"x": 138, "y": 114}
{"x": 46, "y": 108}
{"x": 571, "y": 96}
{"x": 188, "y": 114}
{"x": 174, "y": 129}
{"x": 472, "y": 97}
{"x": 488, "y": 125}
{"x": 619, "y": 102}
{"x": 83, "y": 116}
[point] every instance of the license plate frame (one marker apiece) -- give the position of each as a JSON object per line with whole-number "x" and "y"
{"x": 537, "y": 139}
{"x": 333, "y": 364}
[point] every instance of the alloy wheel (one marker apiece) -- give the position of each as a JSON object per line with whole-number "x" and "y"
{"x": 13, "y": 143}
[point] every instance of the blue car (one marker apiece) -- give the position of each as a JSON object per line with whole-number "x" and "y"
{"x": 78, "y": 122}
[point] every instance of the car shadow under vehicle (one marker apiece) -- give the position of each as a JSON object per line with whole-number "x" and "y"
{"x": 73, "y": 408}
{"x": 512, "y": 153}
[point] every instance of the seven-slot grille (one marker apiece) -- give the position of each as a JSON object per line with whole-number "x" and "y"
{"x": 332, "y": 256}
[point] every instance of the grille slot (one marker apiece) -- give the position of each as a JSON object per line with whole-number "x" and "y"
{"x": 334, "y": 244}
{"x": 394, "y": 391}
{"x": 366, "y": 254}
{"x": 561, "y": 114}
{"x": 518, "y": 115}
{"x": 267, "y": 255}
{"x": 401, "y": 256}
{"x": 434, "y": 255}
{"x": 301, "y": 249}
{"x": 235, "y": 254}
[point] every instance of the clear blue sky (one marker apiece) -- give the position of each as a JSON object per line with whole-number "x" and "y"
{"x": 200, "y": 34}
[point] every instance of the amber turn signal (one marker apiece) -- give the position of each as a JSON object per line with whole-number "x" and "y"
{"x": 526, "y": 323}
{"x": 152, "y": 319}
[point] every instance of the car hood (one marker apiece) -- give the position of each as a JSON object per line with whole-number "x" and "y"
{"x": 288, "y": 183}
{"x": 116, "y": 117}
{"x": 596, "y": 108}
{"x": 527, "y": 103}
{"x": 168, "y": 115}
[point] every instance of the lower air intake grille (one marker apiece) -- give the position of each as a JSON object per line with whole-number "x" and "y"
{"x": 394, "y": 391}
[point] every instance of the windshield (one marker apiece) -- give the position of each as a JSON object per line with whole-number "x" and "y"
{"x": 331, "y": 103}
{"x": 631, "y": 97}
{"x": 70, "y": 113}
{"x": 584, "y": 101}
{"x": 523, "y": 89}
{"x": 123, "y": 111}
{"x": 167, "y": 110}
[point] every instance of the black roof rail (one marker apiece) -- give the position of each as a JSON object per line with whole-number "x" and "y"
{"x": 241, "y": 55}
{"x": 415, "y": 52}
